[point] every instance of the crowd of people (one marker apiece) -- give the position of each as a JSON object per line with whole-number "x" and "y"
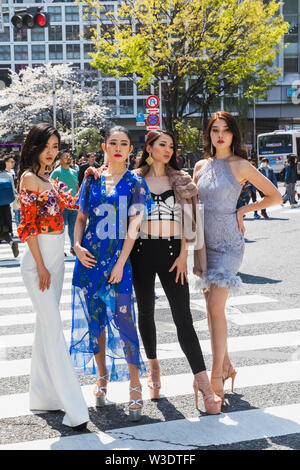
{"x": 126, "y": 225}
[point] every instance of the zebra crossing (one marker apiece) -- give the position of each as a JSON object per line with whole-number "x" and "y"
{"x": 267, "y": 360}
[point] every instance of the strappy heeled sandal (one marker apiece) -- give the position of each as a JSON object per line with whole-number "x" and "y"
{"x": 135, "y": 414}
{"x": 230, "y": 374}
{"x": 101, "y": 399}
{"x": 212, "y": 402}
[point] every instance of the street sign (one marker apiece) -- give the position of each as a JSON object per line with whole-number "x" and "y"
{"x": 153, "y": 120}
{"x": 152, "y": 128}
{"x": 140, "y": 117}
{"x": 152, "y": 110}
{"x": 152, "y": 101}
{"x": 140, "y": 124}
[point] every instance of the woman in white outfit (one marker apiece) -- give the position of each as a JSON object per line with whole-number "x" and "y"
{"x": 53, "y": 382}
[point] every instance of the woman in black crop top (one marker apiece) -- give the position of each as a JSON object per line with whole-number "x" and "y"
{"x": 161, "y": 249}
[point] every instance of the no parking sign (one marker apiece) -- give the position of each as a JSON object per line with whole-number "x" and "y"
{"x": 152, "y": 101}
{"x": 153, "y": 120}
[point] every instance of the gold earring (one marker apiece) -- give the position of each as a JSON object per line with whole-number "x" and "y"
{"x": 149, "y": 160}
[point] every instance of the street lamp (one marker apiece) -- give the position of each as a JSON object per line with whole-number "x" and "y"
{"x": 160, "y": 100}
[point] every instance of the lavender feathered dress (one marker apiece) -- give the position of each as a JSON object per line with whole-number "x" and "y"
{"x": 219, "y": 192}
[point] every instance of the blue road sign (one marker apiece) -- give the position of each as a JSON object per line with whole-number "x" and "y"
{"x": 140, "y": 117}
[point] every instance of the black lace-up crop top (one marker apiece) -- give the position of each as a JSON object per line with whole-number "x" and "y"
{"x": 166, "y": 207}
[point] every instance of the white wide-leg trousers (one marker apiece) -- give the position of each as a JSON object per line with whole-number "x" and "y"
{"x": 53, "y": 382}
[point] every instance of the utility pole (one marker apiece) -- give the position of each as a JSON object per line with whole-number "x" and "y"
{"x": 54, "y": 99}
{"x": 72, "y": 116}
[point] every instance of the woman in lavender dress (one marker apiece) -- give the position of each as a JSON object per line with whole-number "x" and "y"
{"x": 220, "y": 177}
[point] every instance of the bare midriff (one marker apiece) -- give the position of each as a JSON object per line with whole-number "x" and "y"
{"x": 161, "y": 228}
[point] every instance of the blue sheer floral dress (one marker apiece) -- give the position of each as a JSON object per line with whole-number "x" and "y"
{"x": 96, "y": 304}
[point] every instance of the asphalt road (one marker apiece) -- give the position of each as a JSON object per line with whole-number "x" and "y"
{"x": 264, "y": 411}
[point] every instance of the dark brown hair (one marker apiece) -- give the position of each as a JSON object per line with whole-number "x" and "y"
{"x": 151, "y": 138}
{"x": 233, "y": 127}
{"x": 34, "y": 145}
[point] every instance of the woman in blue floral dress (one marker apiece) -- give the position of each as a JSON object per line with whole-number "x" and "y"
{"x": 104, "y": 334}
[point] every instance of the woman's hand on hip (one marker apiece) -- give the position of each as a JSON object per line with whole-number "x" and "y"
{"x": 240, "y": 221}
{"x": 181, "y": 264}
{"x": 44, "y": 278}
{"x": 85, "y": 257}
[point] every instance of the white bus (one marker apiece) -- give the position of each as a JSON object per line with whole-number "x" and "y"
{"x": 276, "y": 146}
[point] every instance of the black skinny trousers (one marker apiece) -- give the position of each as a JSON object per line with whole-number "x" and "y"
{"x": 156, "y": 256}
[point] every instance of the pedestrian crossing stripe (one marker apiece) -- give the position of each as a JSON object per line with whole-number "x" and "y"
{"x": 188, "y": 433}
{"x": 172, "y": 386}
{"x": 168, "y": 350}
{"x": 183, "y": 434}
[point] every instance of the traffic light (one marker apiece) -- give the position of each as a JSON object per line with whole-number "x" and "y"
{"x": 30, "y": 18}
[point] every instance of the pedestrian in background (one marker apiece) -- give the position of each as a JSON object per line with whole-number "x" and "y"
{"x": 53, "y": 382}
{"x": 91, "y": 161}
{"x": 7, "y": 194}
{"x": 265, "y": 169}
{"x": 68, "y": 176}
{"x": 253, "y": 189}
{"x": 290, "y": 179}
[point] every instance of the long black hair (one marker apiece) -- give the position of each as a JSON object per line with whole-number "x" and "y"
{"x": 151, "y": 138}
{"x": 34, "y": 145}
{"x": 113, "y": 129}
{"x": 231, "y": 122}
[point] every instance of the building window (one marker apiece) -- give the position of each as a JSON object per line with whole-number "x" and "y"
{"x": 290, "y": 7}
{"x": 38, "y": 34}
{"x": 291, "y": 64}
{"x": 126, "y": 106}
{"x": 291, "y": 52}
{"x": 108, "y": 88}
{"x": 112, "y": 105}
{"x": 55, "y": 13}
{"x": 5, "y": 36}
{"x": 73, "y": 51}
{"x": 20, "y": 67}
{"x": 21, "y": 53}
{"x": 38, "y": 52}
{"x": 141, "y": 106}
{"x": 55, "y": 33}
{"x": 5, "y": 52}
{"x": 55, "y": 51}
{"x": 89, "y": 31}
{"x": 72, "y": 32}
{"x": 72, "y": 14}
{"x": 105, "y": 10}
{"x": 88, "y": 48}
{"x": 126, "y": 88}
{"x": 145, "y": 92}
{"x": 20, "y": 35}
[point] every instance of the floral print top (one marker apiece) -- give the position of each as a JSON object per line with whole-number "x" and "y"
{"x": 42, "y": 212}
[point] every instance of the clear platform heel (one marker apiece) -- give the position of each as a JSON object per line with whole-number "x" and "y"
{"x": 101, "y": 399}
{"x": 135, "y": 414}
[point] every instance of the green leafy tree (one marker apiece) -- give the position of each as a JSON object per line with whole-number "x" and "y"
{"x": 203, "y": 47}
{"x": 88, "y": 141}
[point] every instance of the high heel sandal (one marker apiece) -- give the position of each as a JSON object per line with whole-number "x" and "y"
{"x": 135, "y": 414}
{"x": 101, "y": 399}
{"x": 231, "y": 376}
{"x": 154, "y": 387}
{"x": 212, "y": 402}
{"x": 219, "y": 391}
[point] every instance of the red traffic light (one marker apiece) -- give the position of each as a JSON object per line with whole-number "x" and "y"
{"x": 30, "y": 18}
{"x": 41, "y": 20}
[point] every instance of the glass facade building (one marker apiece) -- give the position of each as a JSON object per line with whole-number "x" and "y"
{"x": 68, "y": 39}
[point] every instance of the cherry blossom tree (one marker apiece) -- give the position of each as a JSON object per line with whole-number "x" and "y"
{"x": 29, "y": 99}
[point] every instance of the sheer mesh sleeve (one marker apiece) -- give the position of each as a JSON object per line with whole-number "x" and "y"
{"x": 28, "y": 225}
{"x": 83, "y": 199}
{"x": 65, "y": 199}
{"x": 141, "y": 199}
